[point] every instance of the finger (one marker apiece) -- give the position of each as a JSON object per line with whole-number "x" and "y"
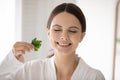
{"x": 22, "y": 47}
{"x": 18, "y": 54}
{"x": 24, "y": 44}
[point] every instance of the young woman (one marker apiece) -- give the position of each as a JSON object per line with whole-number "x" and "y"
{"x": 66, "y": 29}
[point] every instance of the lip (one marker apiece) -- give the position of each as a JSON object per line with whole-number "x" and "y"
{"x": 63, "y": 44}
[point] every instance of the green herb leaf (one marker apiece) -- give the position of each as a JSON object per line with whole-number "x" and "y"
{"x": 37, "y": 44}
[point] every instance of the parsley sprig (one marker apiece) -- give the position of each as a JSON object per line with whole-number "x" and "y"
{"x": 37, "y": 44}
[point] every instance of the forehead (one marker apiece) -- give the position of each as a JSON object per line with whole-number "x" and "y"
{"x": 65, "y": 19}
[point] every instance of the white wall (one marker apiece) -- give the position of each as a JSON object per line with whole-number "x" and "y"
{"x": 7, "y": 25}
{"x": 97, "y": 46}
{"x": 18, "y": 20}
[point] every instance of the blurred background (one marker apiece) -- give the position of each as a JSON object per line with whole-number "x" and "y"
{"x": 23, "y": 20}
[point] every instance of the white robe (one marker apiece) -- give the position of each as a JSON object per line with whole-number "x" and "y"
{"x": 45, "y": 70}
{"x": 9, "y": 64}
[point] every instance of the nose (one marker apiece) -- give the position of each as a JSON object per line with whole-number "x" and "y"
{"x": 64, "y": 36}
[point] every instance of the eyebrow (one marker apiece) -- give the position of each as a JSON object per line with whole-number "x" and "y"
{"x": 56, "y": 25}
{"x": 74, "y": 27}
{"x": 70, "y": 27}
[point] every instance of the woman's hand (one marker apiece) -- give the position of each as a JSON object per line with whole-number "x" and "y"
{"x": 20, "y": 48}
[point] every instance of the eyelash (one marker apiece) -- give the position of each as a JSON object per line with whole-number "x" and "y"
{"x": 73, "y": 31}
{"x": 57, "y": 30}
{"x": 69, "y": 31}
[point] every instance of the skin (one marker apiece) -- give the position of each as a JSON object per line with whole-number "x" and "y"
{"x": 65, "y": 34}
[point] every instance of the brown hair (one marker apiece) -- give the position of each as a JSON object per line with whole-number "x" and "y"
{"x": 70, "y": 8}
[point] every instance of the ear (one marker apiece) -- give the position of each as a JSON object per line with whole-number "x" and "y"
{"x": 82, "y": 36}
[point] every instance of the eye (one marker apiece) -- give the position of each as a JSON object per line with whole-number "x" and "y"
{"x": 57, "y": 30}
{"x": 73, "y": 31}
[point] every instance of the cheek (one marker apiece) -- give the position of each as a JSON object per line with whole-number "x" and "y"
{"x": 53, "y": 36}
{"x": 76, "y": 39}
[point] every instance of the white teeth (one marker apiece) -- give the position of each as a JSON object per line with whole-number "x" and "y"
{"x": 63, "y": 44}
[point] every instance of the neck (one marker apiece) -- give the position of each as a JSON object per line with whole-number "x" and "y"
{"x": 65, "y": 64}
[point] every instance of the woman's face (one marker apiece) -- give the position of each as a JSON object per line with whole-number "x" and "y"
{"x": 65, "y": 33}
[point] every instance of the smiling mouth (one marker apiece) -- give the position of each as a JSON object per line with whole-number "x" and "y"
{"x": 64, "y": 44}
